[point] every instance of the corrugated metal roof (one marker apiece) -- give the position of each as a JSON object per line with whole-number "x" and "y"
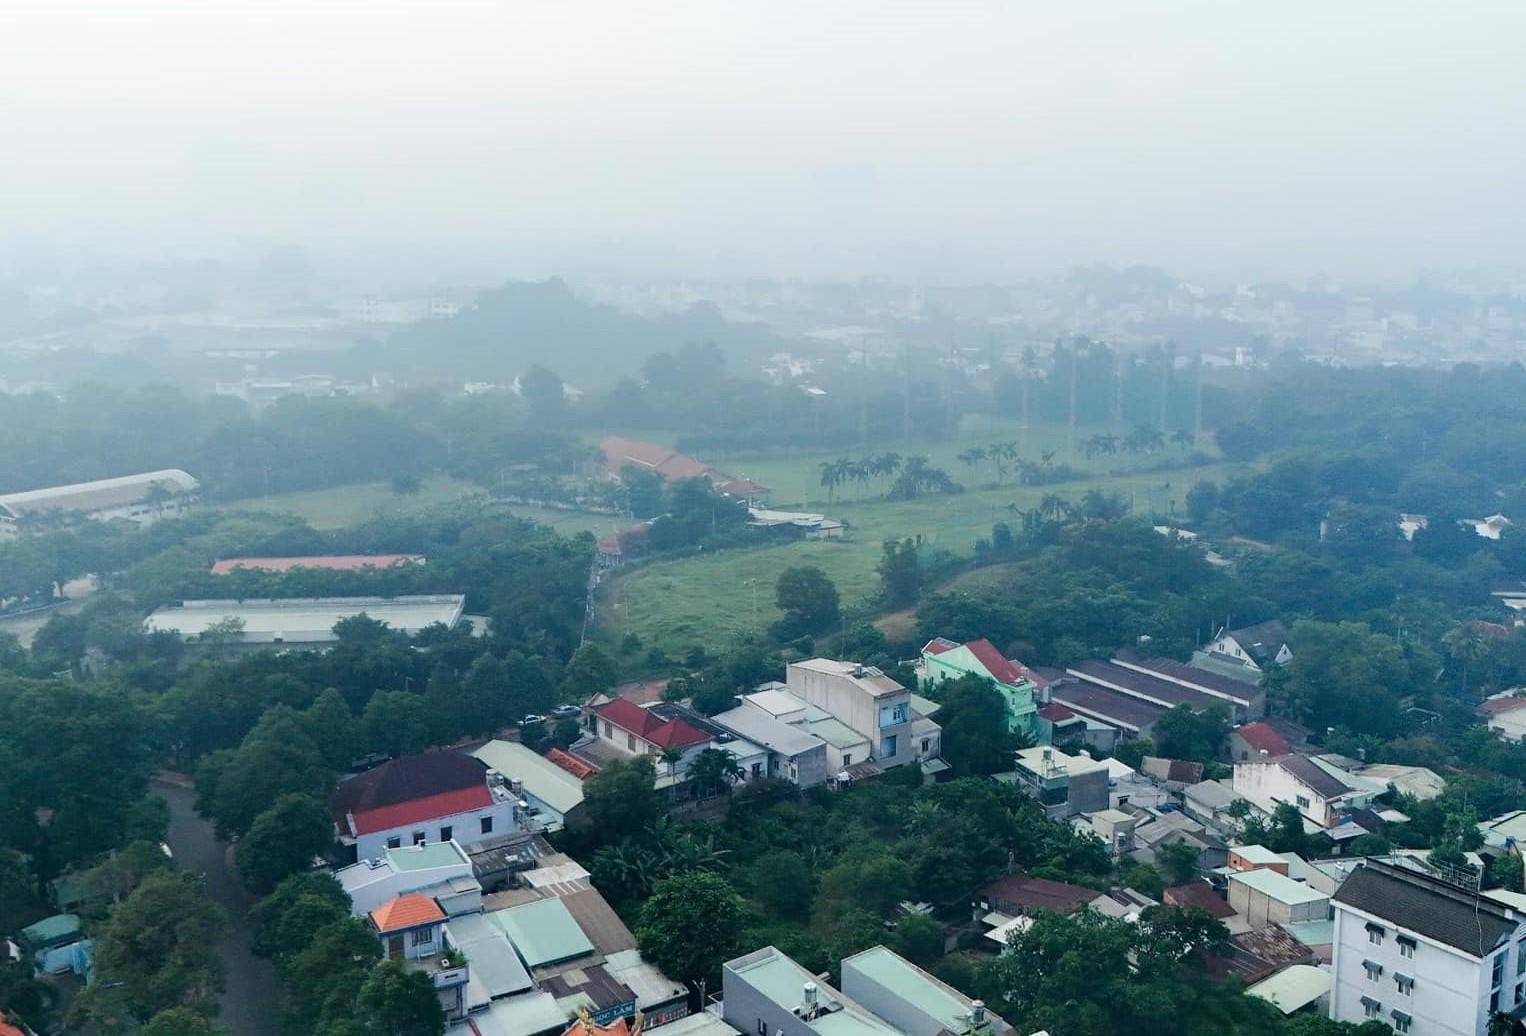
{"x": 98, "y": 495}
{"x": 543, "y": 932}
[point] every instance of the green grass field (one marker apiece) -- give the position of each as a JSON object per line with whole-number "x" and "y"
{"x": 709, "y": 599}
{"x": 344, "y": 506}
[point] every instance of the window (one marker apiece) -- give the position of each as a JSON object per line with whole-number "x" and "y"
{"x": 487, "y": 825}
{"x": 1303, "y": 803}
{"x": 630, "y": 742}
{"x": 1375, "y": 933}
{"x": 395, "y": 842}
{"x": 1404, "y": 984}
{"x": 1374, "y": 970}
{"x": 423, "y": 936}
{"x": 757, "y": 770}
{"x": 1401, "y": 1021}
{"x": 847, "y": 759}
{"x": 888, "y": 747}
{"x": 447, "y": 833}
{"x": 927, "y": 744}
{"x": 609, "y": 731}
{"x": 1498, "y": 971}
{"x": 1370, "y": 1007}
{"x": 418, "y": 838}
{"x": 1406, "y": 946}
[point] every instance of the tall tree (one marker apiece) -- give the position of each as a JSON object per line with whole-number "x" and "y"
{"x": 808, "y": 600}
{"x": 283, "y": 840}
{"x": 621, "y": 799}
{"x": 689, "y": 926}
{"x": 161, "y": 945}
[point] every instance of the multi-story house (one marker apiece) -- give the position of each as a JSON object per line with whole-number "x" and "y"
{"x": 1318, "y": 794}
{"x": 1021, "y": 689}
{"x": 872, "y": 704}
{"x": 1423, "y": 956}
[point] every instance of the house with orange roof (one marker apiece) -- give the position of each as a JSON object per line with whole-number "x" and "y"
{"x": 1020, "y": 687}
{"x": 409, "y": 926}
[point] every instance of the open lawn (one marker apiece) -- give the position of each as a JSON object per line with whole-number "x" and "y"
{"x": 344, "y": 506}
{"x": 679, "y": 603}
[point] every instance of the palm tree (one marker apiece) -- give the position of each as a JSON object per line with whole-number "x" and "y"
{"x": 1091, "y": 445}
{"x": 714, "y": 771}
{"x": 972, "y": 456}
{"x": 1046, "y": 458}
{"x": 831, "y": 477}
{"x": 1466, "y": 644}
{"x": 672, "y": 756}
{"x": 1054, "y": 507}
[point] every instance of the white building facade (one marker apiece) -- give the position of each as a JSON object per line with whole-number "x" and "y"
{"x": 1424, "y": 957}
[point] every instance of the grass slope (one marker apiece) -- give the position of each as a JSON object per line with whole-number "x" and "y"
{"x": 708, "y": 600}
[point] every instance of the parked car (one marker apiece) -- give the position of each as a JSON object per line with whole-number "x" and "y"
{"x": 567, "y": 712}
{"x": 532, "y": 719}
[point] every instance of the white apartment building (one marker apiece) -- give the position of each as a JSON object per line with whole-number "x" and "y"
{"x": 1423, "y": 956}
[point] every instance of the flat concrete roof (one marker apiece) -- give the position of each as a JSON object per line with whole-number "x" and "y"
{"x": 909, "y": 982}
{"x": 304, "y": 620}
{"x": 783, "y": 981}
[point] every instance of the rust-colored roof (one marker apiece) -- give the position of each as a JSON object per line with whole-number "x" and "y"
{"x": 1021, "y": 892}
{"x": 7, "y": 1029}
{"x": 1198, "y": 894}
{"x": 590, "y": 1028}
{"x": 572, "y": 764}
{"x": 1496, "y": 706}
{"x": 1054, "y": 712}
{"x": 1000, "y": 669}
{"x": 404, "y": 912}
{"x": 1264, "y": 739}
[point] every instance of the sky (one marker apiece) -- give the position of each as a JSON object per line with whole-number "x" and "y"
{"x": 834, "y": 138}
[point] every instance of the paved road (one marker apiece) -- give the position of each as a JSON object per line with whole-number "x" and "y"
{"x": 250, "y": 1005}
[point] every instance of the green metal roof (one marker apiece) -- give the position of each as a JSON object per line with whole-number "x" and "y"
{"x": 425, "y": 857}
{"x": 58, "y": 930}
{"x": 544, "y": 932}
{"x": 783, "y": 981}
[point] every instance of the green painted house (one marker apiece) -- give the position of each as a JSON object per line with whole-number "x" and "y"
{"x": 1021, "y": 688}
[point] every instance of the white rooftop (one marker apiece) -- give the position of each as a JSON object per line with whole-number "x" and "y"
{"x": 303, "y": 620}
{"x": 1279, "y": 887}
{"x": 773, "y": 734}
{"x": 1040, "y": 759}
{"x": 1293, "y": 987}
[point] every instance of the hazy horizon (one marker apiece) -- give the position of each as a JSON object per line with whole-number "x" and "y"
{"x": 961, "y": 139}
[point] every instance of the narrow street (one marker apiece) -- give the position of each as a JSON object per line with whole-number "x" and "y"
{"x": 250, "y": 1002}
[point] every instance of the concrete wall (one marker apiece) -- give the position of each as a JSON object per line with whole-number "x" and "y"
{"x": 807, "y": 769}
{"x": 1088, "y": 792}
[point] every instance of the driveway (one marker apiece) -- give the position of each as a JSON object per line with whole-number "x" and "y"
{"x": 251, "y": 1002}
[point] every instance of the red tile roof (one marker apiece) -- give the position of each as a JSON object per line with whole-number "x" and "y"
{"x": 1264, "y": 739}
{"x": 1054, "y": 712}
{"x": 650, "y": 727}
{"x": 404, "y": 912}
{"x": 420, "y": 811}
{"x": 1496, "y": 706}
{"x": 333, "y": 563}
{"x": 410, "y": 789}
{"x": 938, "y": 645}
{"x": 572, "y": 764}
{"x": 1002, "y": 670}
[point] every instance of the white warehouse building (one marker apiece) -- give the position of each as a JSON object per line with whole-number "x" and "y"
{"x": 141, "y": 499}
